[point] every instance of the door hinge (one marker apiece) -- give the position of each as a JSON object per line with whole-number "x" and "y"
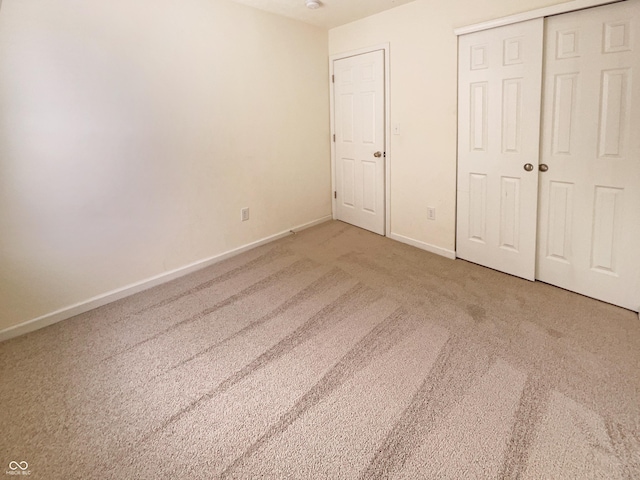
{"x": 333, "y": 79}
{"x": 334, "y": 137}
{"x": 335, "y": 194}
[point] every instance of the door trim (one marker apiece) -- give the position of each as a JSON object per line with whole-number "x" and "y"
{"x": 565, "y": 7}
{"x": 387, "y": 130}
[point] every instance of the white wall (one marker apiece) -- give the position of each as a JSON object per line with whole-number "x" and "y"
{"x": 423, "y": 96}
{"x": 133, "y": 131}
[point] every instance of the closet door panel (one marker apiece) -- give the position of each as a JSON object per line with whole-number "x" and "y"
{"x": 589, "y": 211}
{"x": 500, "y": 74}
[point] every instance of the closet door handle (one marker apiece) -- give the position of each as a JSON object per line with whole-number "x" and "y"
{"x": 528, "y": 167}
{"x": 543, "y": 167}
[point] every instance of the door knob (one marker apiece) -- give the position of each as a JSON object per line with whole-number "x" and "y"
{"x": 528, "y": 167}
{"x": 543, "y": 167}
{"x": 377, "y": 154}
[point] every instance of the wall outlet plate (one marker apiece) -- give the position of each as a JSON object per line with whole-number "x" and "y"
{"x": 244, "y": 214}
{"x": 431, "y": 213}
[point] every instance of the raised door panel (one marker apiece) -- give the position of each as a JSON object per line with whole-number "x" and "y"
{"x": 510, "y": 214}
{"x": 348, "y": 184}
{"x": 564, "y": 107}
{"x": 477, "y": 207}
{"x": 369, "y": 120}
{"x": 558, "y": 239}
{"x": 479, "y": 124}
{"x": 605, "y": 237}
{"x": 347, "y": 132}
{"x": 614, "y": 89}
{"x": 511, "y": 115}
{"x": 369, "y": 186}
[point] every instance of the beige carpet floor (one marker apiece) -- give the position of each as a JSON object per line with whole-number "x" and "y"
{"x": 332, "y": 353}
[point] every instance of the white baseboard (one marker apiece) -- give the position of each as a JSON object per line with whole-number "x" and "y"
{"x": 423, "y": 246}
{"x": 112, "y": 296}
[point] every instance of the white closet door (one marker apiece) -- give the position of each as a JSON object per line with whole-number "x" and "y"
{"x": 499, "y": 91}
{"x": 589, "y": 221}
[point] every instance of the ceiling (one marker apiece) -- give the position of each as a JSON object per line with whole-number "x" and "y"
{"x": 331, "y": 14}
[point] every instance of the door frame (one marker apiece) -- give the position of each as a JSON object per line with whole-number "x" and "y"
{"x": 558, "y": 9}
{"x": 387, "y": 129}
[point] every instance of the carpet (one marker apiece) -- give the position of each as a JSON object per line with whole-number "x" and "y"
{"x": 332, "y": 353}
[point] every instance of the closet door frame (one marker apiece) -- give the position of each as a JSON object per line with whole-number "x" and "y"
{"x": 530, "y": 15}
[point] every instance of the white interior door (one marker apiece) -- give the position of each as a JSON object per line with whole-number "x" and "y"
{"x": 589, "y": 221}
{"x": 499, "y": 91}
{"x": 359, "y": 137}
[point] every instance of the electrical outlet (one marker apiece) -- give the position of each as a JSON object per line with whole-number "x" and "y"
{"x": 431, "y": 213}
{"x": 244, "y": 214}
